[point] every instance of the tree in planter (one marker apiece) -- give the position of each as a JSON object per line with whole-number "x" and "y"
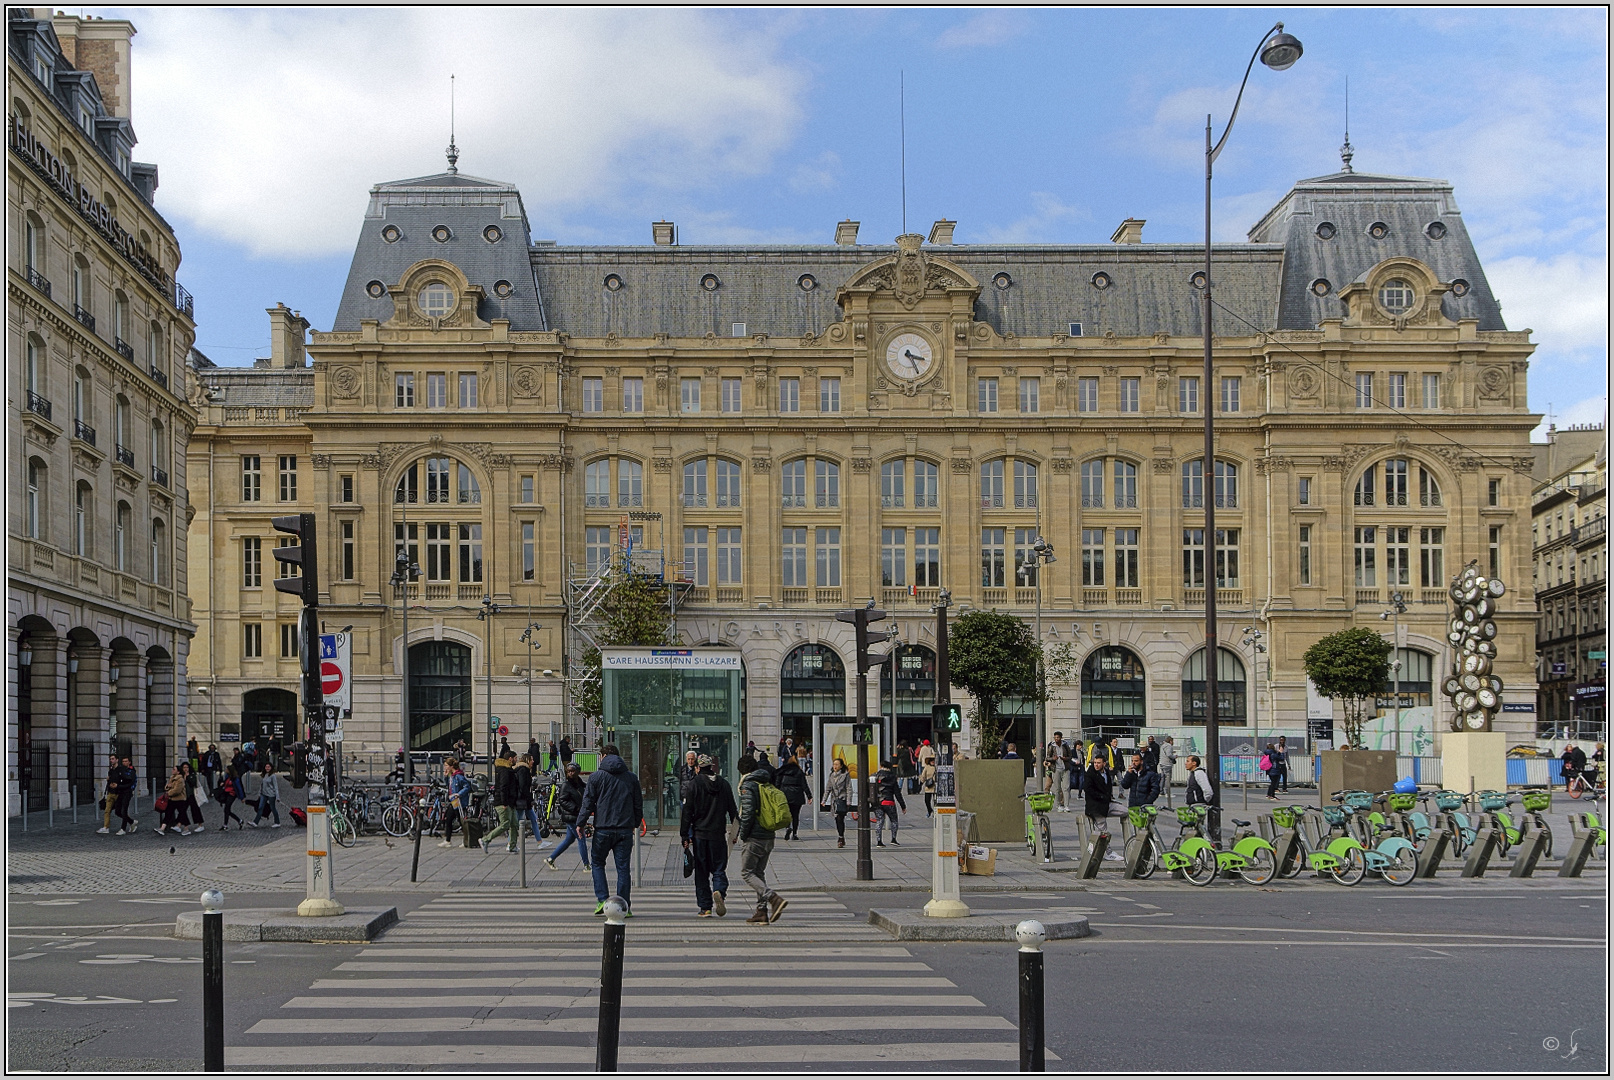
{"x": 1350, "y": 666}
{"x": 994, "y": 656}
{"x": 634, "y": 612}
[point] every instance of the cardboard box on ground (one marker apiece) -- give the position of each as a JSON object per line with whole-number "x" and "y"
{"x": 979, "y": 860}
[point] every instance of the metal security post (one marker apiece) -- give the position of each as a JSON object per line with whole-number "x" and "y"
{"x": 1030, "y": 934}
{"x": 414, "y": 867}
{"x": 944, "y": 895}
{"x": 521, "y": 830}
{"x": 616, "y": 910}
{"x": 320, "y": 901}
{"x": 213, "y": 981}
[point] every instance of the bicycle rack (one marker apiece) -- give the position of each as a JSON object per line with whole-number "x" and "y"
{"x": 1531, "y": 847}
{"x": 1434, "y": 849}
{"x": 1284, "y": 847}
{"x": 1093, "y": 846}
{"x": 1580, "y": 850}
{"x": 1479, "y": 853}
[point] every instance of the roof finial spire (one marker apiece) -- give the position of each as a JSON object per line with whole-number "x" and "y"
{"x": 1347, "y": 151}
{"x": 453, "y": 151}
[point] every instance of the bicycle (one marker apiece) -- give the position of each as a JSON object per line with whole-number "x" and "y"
{"x": 338, "y": 812}
{"x": 1193, "y": 856}
{"x": 1509, "y": 832}
{"x": 1249, "y": 856}
{"x": 1340, "y": 856}
{"x": 1039, "y": 830}
{"x": 1394, "y": 858}
{"x": 398, "y": 811}
{"x": 1576, "y": 786}
{"x": 1449, "y": 805}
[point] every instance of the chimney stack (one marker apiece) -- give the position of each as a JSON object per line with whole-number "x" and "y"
{"x": 846, "y": 232}
{"x": 1130, "y": 231}
{"x": 942, "y": 232}
{"x": 665, "y": 233}
{"x": 287, "y": 338}
{"x": 101, "y": 47}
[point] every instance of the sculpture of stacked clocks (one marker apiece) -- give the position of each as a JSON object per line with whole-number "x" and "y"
{"x": 1474, "y": 691}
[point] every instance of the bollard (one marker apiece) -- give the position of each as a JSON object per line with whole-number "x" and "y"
{"x": 1138, "y": 851}
{"x": 1093, "y": 858}
{"x": 72, "y": 801}
{"x": 1030, "y": 934}
{"x": 1434, "y": 849}
{"x": 414, "y": 867}
{"x": 50, "y": 811}
{"x": 1580, "y": 849}
{"x": 521, "y": 828}
{"x": 213, "y": 981}
{"x": 1531, "y": 847}
{"x": 1286, "y": 849}
{"x": 1479, "y": 853}
{"x": 616, "y": 910}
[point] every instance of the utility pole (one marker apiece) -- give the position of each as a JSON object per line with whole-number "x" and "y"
{"x": 527, "y": 636}
{"x": 1398, "y": 608}
{"x": 489, "y": 609}
{"x": 862, "y": 731}
{"x": 406, "y": 570}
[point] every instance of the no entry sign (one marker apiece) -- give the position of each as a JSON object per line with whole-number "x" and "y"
{"x": 336, "y": 671}
{"x": 331, "y": 679}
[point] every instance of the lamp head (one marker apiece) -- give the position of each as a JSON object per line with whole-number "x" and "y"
{"x": 1281, "y": 50}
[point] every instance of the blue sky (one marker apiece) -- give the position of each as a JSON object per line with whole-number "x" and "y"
{"x": 1039, "y": 125}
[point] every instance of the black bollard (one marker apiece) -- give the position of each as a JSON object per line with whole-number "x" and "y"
{"x": 610, "y": 1028}
{"x": 1031, "y": 935}
{"x": 521, "y": 830}
{"x": 213, "y": 981}
{"x": 414, "y": 867}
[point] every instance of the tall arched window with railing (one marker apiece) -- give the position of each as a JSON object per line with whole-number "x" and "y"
{"x": 1230, "y": 689}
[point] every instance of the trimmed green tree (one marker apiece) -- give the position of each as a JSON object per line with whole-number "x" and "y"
{"x": 993, "y": 656}
{"x": 1350, "y": 667}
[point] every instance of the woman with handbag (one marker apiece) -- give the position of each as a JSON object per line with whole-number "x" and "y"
{"x": 173, "y": 801}
{"x": 837, "y": 786}
{"x": 268, "y": 796}
{"x": 927, "y": 775}
{"x": 227, "y": 792}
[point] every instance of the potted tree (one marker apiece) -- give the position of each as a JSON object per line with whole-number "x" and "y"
{"x": 1350, "y": 667}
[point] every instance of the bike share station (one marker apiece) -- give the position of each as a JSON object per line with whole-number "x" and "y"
{"x": 660, "y": 703}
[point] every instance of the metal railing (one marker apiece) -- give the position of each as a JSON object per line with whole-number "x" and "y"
{"x": 160, "y": 375}
{"x": 39, "y": 281}
{"x": 159, "y": 476}
{"x": 184, "y": 302}
{"x": 84, "y": 317}
{"x": 81, "y": 430}
{"x": 38, "y": 405}
{"x": 125, "y": 456}
{"x": 125, "y": 349}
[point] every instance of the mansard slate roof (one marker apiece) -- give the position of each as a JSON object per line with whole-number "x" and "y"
{"x": 467, "y": 205}
{"x": 1353, "y": 202}
{"x": 1267, "y": 281}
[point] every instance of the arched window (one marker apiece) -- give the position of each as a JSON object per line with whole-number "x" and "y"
{"x": 438, "y": 470}
{"x": 439, "y": 694}
{"x": 34, "y": 242}
{"x": 812, "y": 681}
{"x": 1417, "y": 678}
{"x": 154, "y": 348}
{"x": 793, "y": 481}
{"x": 1112, "y": 690}
{"x": 1093, "y": 484}
{"x": 826, "y": 484}
{"x": 992, "y": 485}
{"x": 1226, "y": 484}
{"x": 597, "y": 483}
{"x": 1428, "y": 488}
{"x": 36, "y": 487}
{"x": 1025, "y": 485}
{"x": 1395, "y": 481}
{"x": 1126, "y": 485}
{"x": 629, "y": 483}
{"x": 1230, "y": 688}
{"x": 408, "y": 485}
{"x": 82, "y": 525}
{"x": 926, "y": 484}
{"x": 469, "y": 490}
{"x": 908, "y": 689}
{"x": 159, "y": 445}
{"x": 893, "y": 484}
{"x": 121, "y": 537}
{"x": 695, "y": 483}
{"x": 1365, "y": 490}
{"x": 728, "y": 483}
{"x": 159, "y": 553}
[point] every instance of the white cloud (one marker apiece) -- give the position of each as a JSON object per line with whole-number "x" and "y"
{"x": 820, "y": 174}
{"x": 1563, "y": 298}
{"x": 270, "y": 126}
{"x": 1034, "y": 228}
{"x": 1592, "y": 410}
{"x": 984, "y": 30}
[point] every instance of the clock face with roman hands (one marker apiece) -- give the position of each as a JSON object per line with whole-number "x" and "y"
{"x": 909, "y": 356}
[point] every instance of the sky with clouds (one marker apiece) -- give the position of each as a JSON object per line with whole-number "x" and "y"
{"x": 768, "y": 126}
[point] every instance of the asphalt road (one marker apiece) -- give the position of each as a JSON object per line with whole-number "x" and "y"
{"x": 1459, "y": 976}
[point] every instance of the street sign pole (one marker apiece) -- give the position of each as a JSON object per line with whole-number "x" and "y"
{"x": 944, "y": 894}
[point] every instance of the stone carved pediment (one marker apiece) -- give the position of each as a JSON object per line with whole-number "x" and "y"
{"x": 911, "y": 273}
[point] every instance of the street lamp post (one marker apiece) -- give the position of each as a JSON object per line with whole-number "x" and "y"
{"x": 1398, "y": 608}
{"x": 406, "y": 571}
{"x": 528, "y": 636}
{"x": 1254, "y": 641}
{"x": 1042, "y": 553}
{"x": 1278, "y": 51}
{"x": 485, "y": 616}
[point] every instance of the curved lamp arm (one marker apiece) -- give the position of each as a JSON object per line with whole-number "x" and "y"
{"x": 1212, "y": 153}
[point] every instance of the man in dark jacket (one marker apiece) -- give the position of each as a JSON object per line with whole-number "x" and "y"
{"x": 568, "y": 801}
{"x": 887, "y": 796}
{"x": 757, "y": 840}
{"x": 1151, "y": 754}
{"x": 793, "y": 782}
{"x": 708, "y": 808}
{"x": 1141, "y": 783}
{"x": 565, "y": 749}
{"x": 504, "y": 801}
{"x": 128, "y": 784}
{"x": 1096, "y": 786}
{"x": 613, "y": 799}
{"x": 686, "y": 772}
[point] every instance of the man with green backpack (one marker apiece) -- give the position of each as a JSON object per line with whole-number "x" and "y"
{"x": 763, "y": 810}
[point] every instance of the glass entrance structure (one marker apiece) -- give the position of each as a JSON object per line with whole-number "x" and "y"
{"x": 662, "y": 702}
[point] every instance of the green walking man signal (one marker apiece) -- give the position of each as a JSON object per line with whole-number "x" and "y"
{"x": 947, "y": 716}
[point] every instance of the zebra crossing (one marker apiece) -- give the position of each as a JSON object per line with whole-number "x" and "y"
{"x": 660, "y": 914}
{"x": 522, "y": 1006}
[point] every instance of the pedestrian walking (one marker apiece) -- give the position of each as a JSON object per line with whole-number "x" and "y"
{"x": 568, "y": 801}
{"x": 1096, "y": 785}
{"x": 128, "y": 784}
{"x": 793, "y": 782}
{"x": 888, "y": 790}
{"x": 707, "y": 810}
{"x": 193, "y": 754}
{"x": 1168, "y": 762}
{"x": 686, "y": 772}
{"x": 837, "y": 790}
{"x": 1282, "y": 761}
{"x": 1009, "y": 753}
{"x": 226, "y": 793}
{"x": 927, "y": 775}
{"x": 554, "y": 757}
{"x": 212, "y": 765}
{"x": 565, "y": 751}
{"x": 504, "y": 801}
{"x": 1594, "y": 768}
{"x": 268, "y": 796}
{"x": 458, "y": 803}
{"x": 1059, "y": 767}
{"x": 192, "y": 803}
{"x": 613, "y": 799}
{"x": 1141, "y": 783}
{"x": 756, "y": 787}
{"x": 1269, "y": 765}
{"x": 173, "y": 805}
{"x": 1200, "y": 789}
{"x": 109, "y": 796}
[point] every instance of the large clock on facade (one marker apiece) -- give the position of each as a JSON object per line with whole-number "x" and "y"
{"x": 909, "y": 356}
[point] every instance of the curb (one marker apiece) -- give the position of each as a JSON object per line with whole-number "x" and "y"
{"x": 357, "y": 926}
{"x": 915, "y": 926}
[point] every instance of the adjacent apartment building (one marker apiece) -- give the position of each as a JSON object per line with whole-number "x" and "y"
{"x": 97, "y": 331}
{"x": 786, "y": 431}
{"x": 1569, "y": 535}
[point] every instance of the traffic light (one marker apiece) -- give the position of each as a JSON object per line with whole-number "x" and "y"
{"x": 947, "y": 716}
{"x": 303, "y": 555}
{"x": 860, "y": 618}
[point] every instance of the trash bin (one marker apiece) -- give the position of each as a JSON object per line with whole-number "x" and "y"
{"x": 473, "y": 832}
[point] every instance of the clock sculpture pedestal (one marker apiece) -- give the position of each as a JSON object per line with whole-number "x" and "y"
{"x": 1477, "y": 758}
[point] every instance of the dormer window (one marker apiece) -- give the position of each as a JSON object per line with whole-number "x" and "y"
{"x": 436, "y": 300}
{"x": 1396, "y": 296}
{"x": 42, "y": 69}
{"x": 86, "y": 121}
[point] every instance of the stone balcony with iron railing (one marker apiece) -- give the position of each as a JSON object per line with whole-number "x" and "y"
{"x": 84, "y": 432}
{"x": 39, "y": 281}
{"x": 37, "y": 404}
{"x": 124, "y": 455}
{"x": 159, "y": 476}
{"x": 125, "y": 349}
{"x": 84, "y": 317}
